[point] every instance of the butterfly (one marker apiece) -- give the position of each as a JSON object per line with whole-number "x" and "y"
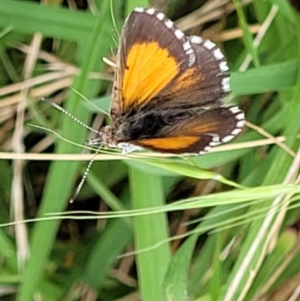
{"x": 168, "y": 90}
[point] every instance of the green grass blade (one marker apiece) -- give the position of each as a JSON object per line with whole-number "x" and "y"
{"x": 149, "y": 230}
{"x": 29, "y": 18}
{"x": 61, "y": 175}
{"x": 270, "y": 78}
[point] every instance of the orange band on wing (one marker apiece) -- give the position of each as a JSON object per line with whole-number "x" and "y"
{"x": 187, "y": 80}
{"x": 149, "y": 68}
{"x": 206, "y": 128}
{"x": 169, "y": 143}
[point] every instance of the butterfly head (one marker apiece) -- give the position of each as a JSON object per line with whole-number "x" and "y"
{"x": 105, "y": 137}
{"x": 108, "y": 137}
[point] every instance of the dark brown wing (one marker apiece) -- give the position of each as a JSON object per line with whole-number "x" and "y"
{"x": 152, "y": 53}
{"x": 204, "y": 83}
{"x": 197, "y": 134}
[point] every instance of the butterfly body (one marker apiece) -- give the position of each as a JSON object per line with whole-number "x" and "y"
{"x": 168, "y": 90}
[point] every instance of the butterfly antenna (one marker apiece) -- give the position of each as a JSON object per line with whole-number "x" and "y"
{"x": 85, "y": 174}
{"x": 56, "y": 106}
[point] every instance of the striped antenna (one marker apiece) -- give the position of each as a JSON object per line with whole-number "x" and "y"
{"x": 85, "y": 174}
{"x": 56, "y": 106}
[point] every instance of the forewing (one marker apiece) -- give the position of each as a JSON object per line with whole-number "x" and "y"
{"x": 198, "y": 133}
{"x": 203, "y": 84}
{"x": 152, "y": 53}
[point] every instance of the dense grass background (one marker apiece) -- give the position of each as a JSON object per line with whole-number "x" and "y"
{"x": 222, "y": 226}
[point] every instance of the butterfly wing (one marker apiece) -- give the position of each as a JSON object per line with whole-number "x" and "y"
{"x": 203, "y": 84}
{"x": 198, "y": 133}
{"x": 159, "y": 66}
{"x": 152, "y": 53}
